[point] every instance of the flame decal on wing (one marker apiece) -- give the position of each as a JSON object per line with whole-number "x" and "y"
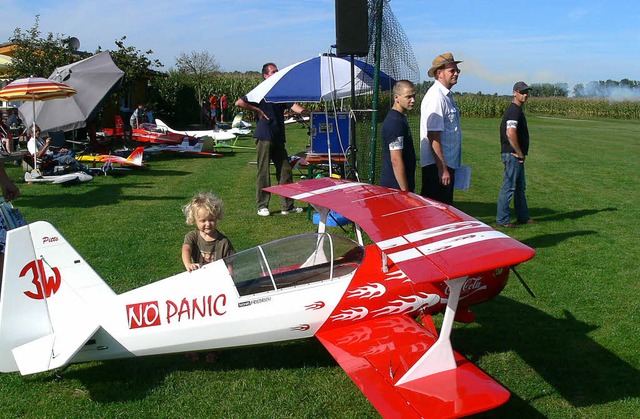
{"x": 355, "y": 313}
{"x": 368, "y": 291}
{"x": 408, "y": 304}
{"x": 360, "y": 334}
{"x": 300, "y": 328}
{"x": 389, "y": 276}
{"x": 315, "y": 306}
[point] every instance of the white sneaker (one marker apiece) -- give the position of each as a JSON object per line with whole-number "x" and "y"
{"x": 293, "y": 210}
{"x": 264, "y": 212}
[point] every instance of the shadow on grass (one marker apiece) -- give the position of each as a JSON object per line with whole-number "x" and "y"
{"x": 91, "y": 197}
{"x": 560, "y": 350}
{"x": 135, "y": 378}
{"x": 549, "y": 240}
{"x": 488, "y": 210}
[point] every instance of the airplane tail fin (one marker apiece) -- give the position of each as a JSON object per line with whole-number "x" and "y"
{"x": 160, "y": 123}
{"x": 237, "y": 120}
{"x": 119, "y": 125}
{"x": 47, "y": 285}
{"x": 136, "y": 156}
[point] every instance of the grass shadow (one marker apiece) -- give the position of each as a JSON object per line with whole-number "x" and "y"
{"x": 484, "y": 210}
{"x": 136, "y": 378}
{"x": 560, "y": 351}
{"x": 105, "y": 194}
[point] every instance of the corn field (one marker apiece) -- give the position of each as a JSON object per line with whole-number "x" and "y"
{"x": 486, "y": 106}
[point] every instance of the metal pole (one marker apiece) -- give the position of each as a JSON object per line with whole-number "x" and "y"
{"x": 351, "y": 173}
{"x": 376, "y": 83}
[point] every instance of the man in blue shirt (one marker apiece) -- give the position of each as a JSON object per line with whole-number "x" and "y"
{"x": 398, "y": 153}
{"x": 270, "y": 144}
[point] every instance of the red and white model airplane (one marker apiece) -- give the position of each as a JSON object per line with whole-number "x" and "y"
{"x": 132, "y": 160}
{"x": 361, "y": 301}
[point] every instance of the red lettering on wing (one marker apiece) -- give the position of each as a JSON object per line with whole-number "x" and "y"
{"x": 201, "y": 307}
{"x": 45, "y": 286}
{"x": 143, "y": 314}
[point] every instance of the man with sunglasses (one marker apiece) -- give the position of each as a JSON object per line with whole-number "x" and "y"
{"x": 440, "y": 134}
{"x": 514, "y": 146}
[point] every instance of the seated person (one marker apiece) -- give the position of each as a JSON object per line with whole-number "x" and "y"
{"x": 12, "y": 119}
{"x": 60, "y": 157}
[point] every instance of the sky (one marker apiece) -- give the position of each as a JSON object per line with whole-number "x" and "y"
{"x": 499, "y": 42}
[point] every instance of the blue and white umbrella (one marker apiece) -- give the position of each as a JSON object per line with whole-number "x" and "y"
{"x": 317, "y": 79}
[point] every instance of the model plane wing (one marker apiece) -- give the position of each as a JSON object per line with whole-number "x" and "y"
{"x": 412, "y": 229}
{"x": 377, "y": 353}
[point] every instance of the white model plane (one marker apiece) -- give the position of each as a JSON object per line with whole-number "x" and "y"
{"x": 361, "y": 301}
{"x": 216, "y": 134}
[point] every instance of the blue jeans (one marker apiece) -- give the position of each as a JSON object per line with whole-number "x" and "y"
{"x": 513, "y": 187}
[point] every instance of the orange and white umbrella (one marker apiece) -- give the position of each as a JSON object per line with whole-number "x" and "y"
{"x": 35, "y": 89}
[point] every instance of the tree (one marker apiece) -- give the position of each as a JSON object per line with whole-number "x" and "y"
{"x": 135, "y": 63}
{"x": 36, "y": 56}
{"x": 198, "y": 67}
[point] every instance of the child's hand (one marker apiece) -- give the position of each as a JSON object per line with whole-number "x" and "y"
{"x": 192, "y": 267}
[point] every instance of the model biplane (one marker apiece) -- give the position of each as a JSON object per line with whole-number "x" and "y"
{"x": 360, "y": 300}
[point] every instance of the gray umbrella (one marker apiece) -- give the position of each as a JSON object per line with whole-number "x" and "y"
{"x": 94, "y": 78}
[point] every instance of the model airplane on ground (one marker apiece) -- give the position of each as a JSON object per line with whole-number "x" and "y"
{"x": 216, "y": 134}
{"x": 109, "y": 160}
{"x": 190, "y": 147}
{"x": 35, "y": 176}
{"x": 361, "y": 301}
{"x": 152, "y": 133}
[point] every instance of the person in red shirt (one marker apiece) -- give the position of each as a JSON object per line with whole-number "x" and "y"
{"x": 224, "y": 105}
{"x": 213, "y": 104}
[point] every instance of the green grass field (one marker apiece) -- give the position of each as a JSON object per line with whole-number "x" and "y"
{"x": 574, "y": 351}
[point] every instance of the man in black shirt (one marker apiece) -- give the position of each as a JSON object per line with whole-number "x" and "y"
{"x": 514, "y": 146}
{"x": 398, "y": 153}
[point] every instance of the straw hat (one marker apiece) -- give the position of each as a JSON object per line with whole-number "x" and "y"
{"x": 440, "y": 61}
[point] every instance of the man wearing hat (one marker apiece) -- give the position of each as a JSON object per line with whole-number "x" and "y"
{"x": 514, "y": 146}
{"x": 440, "y": 134}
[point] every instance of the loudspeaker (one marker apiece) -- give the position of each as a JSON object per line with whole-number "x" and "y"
{"x": 352, "y": 27}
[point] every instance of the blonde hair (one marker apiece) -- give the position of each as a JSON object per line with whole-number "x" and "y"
{"x": 208, "y": 201}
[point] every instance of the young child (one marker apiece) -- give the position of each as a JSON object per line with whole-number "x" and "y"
{"x": 205, "y": 244}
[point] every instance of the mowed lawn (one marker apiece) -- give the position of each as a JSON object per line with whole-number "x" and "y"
{"x": 574, "y": 351}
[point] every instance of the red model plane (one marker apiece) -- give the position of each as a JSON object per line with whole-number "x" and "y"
{"x": 151, "y": 133}
{"x": 361, "y": 301}
{"x": 132, "y": 160}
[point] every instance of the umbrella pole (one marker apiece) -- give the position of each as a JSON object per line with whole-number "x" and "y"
{"x": 35, "y": 141}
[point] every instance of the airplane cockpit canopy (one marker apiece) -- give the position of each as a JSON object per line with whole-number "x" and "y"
{"x": 294, "y": 261}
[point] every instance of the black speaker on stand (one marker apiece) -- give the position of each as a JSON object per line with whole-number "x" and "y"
{"x": 352, "y": 39}
{"x": 352, "y": 27}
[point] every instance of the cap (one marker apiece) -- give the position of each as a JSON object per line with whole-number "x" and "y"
{"x": 521, "y": 86}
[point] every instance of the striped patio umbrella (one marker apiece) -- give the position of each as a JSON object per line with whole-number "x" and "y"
{"x": 35, "y": 89}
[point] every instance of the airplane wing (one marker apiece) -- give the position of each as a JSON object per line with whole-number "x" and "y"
{"x": 412, "y": 230}
{"x": 375, "y": 354}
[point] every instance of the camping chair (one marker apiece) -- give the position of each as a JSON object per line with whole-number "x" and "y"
{"x": 47, "y": 165}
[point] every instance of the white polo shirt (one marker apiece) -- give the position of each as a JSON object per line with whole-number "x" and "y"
{"x": 438, "y": 112}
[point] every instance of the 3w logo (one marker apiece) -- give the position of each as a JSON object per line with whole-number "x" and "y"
{"x": 45, "y": 285}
